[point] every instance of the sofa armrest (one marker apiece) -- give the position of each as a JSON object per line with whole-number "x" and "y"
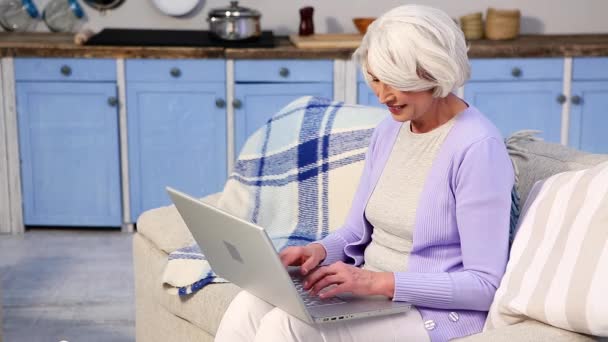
{"x": 165, "y": 228}
{"x": 527, "y": 331}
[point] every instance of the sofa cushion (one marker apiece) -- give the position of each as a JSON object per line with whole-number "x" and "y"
{"x": 557, "y": 270}
{"x": 205, "y": 308}
{"x": 165, "y": 228}
{"x": 535, "y": 159}
{"x": 527, "y": 331}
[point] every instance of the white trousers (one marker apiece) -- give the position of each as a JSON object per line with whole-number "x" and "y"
{"x": 249, "y": 318}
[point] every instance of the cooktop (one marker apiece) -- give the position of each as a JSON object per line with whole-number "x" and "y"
{"x": 189, "y": 38}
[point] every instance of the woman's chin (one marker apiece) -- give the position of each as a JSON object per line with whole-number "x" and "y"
{"x": 400, "y": 117}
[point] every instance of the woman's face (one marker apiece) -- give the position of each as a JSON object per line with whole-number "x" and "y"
{"x": 403, "y": 105}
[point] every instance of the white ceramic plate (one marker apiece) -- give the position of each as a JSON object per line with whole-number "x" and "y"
{"x": 175, "y": 8}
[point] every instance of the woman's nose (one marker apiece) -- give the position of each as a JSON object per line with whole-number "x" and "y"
{"x": 385, "y": 94}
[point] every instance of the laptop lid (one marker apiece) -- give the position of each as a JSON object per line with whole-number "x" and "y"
{"x": 240, "y": 252}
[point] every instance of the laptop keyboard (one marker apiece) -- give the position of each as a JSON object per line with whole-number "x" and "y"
{"x": 311, "y": 301}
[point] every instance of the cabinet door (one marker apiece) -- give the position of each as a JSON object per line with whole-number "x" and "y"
{"x": 514, "y": 106}
{"x": 70, "y": 171}
{"x": 589, "y": 116}
{"x": 260, "y": 101}
{"x": 177, "y": 138}
{"x": 366, "y": 96}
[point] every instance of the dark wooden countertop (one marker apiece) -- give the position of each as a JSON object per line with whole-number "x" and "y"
{"x": 542, "y": 46}
{"x": 62, "y": 45}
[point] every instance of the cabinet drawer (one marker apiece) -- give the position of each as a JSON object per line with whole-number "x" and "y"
{"x": 211, "y": 70}
{"x": 65, "y": 69}
{"x": 514, "y": 69}
{"x": 284, "y": 71}
{"x": 591, "y": 68}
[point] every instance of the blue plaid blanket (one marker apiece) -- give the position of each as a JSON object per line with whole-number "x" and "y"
{"x": 296, "y": 177}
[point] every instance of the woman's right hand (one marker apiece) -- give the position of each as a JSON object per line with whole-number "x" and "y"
{"x": 307, "y": 257}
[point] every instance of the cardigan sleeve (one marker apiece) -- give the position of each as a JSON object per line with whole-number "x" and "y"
{"x": 482, "y": 189}
{"x": 354, "y": 226}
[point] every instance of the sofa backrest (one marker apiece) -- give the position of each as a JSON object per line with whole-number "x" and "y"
{"x": 535, "y": 160}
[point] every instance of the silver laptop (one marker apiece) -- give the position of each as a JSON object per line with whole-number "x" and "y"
{"x": 242, "y": 253}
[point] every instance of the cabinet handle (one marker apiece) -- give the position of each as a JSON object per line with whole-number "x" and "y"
{"x": 175, "y": 72}
{"x": 237, "y": 104}
{"x": 66, "y": 70}
{"x": 576, "y": 100}
{"x": 516, "y": 72}
{"x": 112, "y": 101}
{"x": 220, "y": 103}
{"x": 284, "y": 72}
{"x": 561, "y": 99}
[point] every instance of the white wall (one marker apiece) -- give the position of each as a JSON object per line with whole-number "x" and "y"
{"x": 539, "y": 16}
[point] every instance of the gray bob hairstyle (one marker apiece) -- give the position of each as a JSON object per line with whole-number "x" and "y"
{"x": 415, "y": 48}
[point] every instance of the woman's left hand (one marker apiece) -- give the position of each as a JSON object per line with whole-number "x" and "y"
{"x": 348, "y": 278}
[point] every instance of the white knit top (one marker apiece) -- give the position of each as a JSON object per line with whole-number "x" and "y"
{"x": 392, "y": 206}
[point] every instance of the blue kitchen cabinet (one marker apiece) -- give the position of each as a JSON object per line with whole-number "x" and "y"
{"x": 514, "y": 106}
{"x": 518, "y": 94}
{"x": 70, "y": 165}
{"x": 589, "y": 105}
{"x": 256, "y": 103}
{"x": 589, "y": 116}
{"x": 365, "y": 95}
{"x": 177, "y": 129}
{"x": 263, "y": 87}
{"x": 68, "y": 141}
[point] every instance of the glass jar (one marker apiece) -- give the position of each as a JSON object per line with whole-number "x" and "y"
{"x": 18, "y": 15}
{"x": 63, "y": 15}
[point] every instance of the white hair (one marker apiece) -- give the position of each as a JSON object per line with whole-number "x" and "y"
{"x": 415, "y": 48}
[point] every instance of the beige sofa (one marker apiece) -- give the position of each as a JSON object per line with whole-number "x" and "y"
{"x": 164, "y": 317}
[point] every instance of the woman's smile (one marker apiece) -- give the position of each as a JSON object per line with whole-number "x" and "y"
{"x": 396, "y": 109}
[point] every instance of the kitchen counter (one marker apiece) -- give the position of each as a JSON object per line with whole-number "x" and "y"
{"x": 62, "y": 45}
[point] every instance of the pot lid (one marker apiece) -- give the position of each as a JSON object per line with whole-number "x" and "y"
{"x": 234, "y": 10}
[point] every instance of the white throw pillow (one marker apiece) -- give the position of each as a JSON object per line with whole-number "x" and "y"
{"x": 558, "y": 269}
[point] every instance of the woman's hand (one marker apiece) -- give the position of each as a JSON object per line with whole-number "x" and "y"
{"x": 348, "y": 278}
{"x": 307, "y": 257}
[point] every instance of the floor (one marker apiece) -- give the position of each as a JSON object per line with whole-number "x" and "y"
{"x": 67, "y": 285}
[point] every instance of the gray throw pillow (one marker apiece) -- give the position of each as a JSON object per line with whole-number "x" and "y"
{"x": 535, "y": 160}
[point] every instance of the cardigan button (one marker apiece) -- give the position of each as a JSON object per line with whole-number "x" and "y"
{"x": 453, "y": 316}
{"x": 429, "y": 325}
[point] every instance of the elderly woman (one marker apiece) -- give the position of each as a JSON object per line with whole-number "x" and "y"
{"x": 429, "y": 223}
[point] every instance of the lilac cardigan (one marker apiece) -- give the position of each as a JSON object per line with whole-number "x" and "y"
{"x": 460, "y": 241}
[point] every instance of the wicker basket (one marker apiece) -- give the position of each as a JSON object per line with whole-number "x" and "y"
{"x": 472, "y": 26}
{"x": 502, "y": 24}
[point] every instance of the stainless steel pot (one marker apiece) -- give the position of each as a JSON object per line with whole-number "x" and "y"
{"x": 103, "y": 5}
{"x": 234, "y": 22}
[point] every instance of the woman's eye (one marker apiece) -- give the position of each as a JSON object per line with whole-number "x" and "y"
{"x": 375, "y": 79}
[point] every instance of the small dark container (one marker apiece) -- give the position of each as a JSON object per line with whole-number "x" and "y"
{"x": 307, "y": 27}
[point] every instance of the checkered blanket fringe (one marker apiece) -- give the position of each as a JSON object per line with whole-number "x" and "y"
{"x": 295, "y": 176}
